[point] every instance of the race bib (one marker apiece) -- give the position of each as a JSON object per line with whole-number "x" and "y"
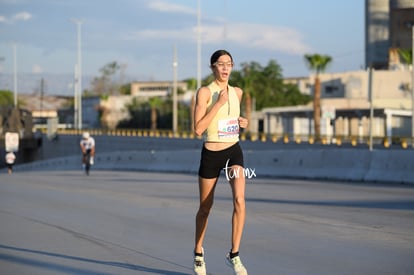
{"x": 228, "y": 128}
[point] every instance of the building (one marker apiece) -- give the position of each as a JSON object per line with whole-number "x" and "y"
{"x": 155, "y": 88}
{"x": 109, "y": 111}
{"x": 346, "y": 107}
{"x": 388, "y": 26}
{"x": 376, "y": 33}
{"x": 401, "y": 23}
{"x": 48, "y": 109}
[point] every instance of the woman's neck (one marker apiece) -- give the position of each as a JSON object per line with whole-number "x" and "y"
{"x": 222, "y": 84}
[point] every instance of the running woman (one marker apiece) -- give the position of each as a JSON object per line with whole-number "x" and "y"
{"x": 217, "y": 116}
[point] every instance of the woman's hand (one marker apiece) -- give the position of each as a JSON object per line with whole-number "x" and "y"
{"x": 243, "y": 122}
{"x": 223, "y": 97}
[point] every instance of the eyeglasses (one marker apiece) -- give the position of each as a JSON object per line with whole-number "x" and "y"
{"x": 222, "y": 64}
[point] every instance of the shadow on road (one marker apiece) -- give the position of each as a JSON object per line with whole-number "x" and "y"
{"x": 73, "y": 270}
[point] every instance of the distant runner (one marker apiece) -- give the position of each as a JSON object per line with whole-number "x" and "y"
{"x": 10, "y": 159}
{"x": 87, "y": 145}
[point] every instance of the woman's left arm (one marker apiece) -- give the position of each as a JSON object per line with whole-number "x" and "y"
{"x": 243, "y": 122}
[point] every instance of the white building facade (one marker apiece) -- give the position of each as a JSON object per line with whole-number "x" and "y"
{"x": 346, "y": 108}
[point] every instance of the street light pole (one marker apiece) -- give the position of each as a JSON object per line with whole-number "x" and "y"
{"x": 412, "y": 87}
{"x": 198, "y": 45}
{"x": 15, "y": 74}
{"x": 75, "y": 97}
{"x": 175, "y": 65}
{"x": 371, "y": 107}
{"x": 78, "y": 74}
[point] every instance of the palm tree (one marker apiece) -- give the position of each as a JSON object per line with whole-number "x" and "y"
{"x": 318, "y": 64}
{"x": 406, "y": 55}
{"x": 192, "y": 85}
{"x": 155, "y": 103}
{"x": 246, "y": 79}
{"x": 248, "y": 91}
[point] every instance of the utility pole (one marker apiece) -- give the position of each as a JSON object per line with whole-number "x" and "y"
{"x": 78, "y": 74}
{"x": 412, "y": 87}
{"x": 175, "y": 65}
{"x": 75, "y": 98}
{"x": 371, "y": 107}
{"x": 15, "y": 74}
{"x": 42, "y": 88}
{"x": 198, "y": 44}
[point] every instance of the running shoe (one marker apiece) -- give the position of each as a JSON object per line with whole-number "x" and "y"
{"x": 200, "y": 264}
{"x": 236, "y": 264}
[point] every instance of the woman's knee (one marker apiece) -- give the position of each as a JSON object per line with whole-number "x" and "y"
{"x": 203, "y": 212}
{"x": 239, "y": 203}
{"x": 205, "y": 207}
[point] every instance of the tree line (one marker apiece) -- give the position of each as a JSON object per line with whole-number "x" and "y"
{"x": 263, "y": 87}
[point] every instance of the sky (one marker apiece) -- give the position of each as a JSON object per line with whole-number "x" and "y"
{"x": 141, "y": 35}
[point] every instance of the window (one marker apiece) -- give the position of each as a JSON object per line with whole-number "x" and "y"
{"x": 330, "y": 89}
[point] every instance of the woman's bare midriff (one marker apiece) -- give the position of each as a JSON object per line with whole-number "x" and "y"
{"x": 218, "y": 146}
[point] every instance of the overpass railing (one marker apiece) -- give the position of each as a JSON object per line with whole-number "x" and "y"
{"x": 403, "y": 142}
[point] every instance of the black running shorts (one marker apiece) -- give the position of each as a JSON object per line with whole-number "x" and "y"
{"x": 213, "y": 162}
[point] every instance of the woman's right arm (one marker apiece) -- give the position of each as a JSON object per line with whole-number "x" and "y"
{"x": 202, "y": 118}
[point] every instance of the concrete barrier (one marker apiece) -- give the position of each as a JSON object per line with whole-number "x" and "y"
{"x": 169, "y": 161}
{"x": 340, "y": 164}
{"x": 395, "y": 166}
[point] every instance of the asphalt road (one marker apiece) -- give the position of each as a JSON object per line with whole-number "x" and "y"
{"x": 143, "y": 223}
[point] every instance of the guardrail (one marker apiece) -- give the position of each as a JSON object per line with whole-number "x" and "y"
{"x": 403, "y": 142}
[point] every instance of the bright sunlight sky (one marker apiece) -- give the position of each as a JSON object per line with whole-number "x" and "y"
{"x": 141, "y": 35}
